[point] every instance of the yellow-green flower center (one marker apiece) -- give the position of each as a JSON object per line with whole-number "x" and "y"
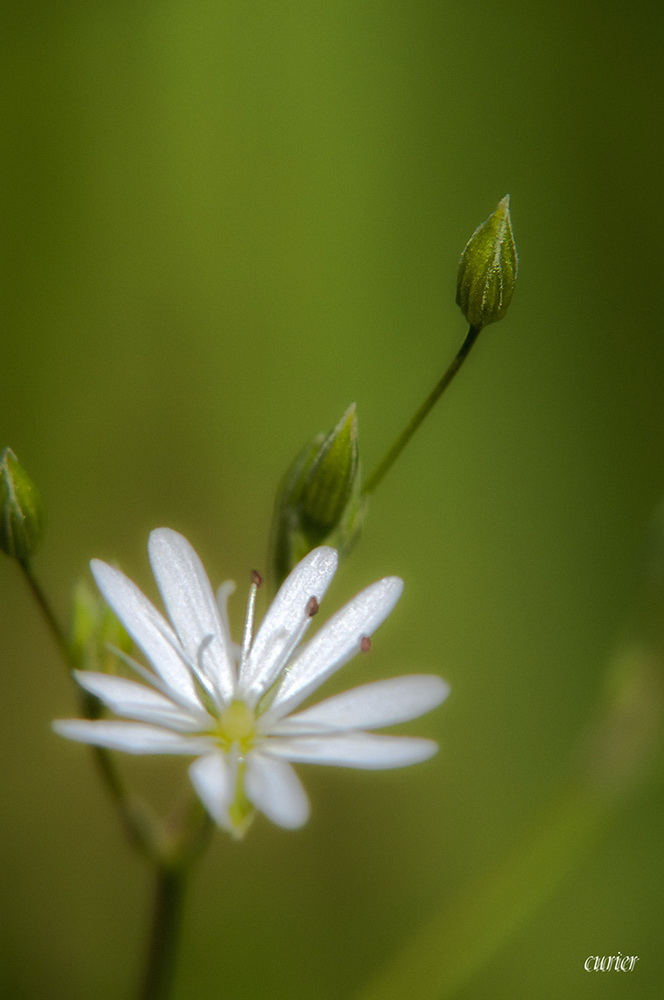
{"x": 237, "y": 724}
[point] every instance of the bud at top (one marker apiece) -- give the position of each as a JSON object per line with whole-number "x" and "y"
{"x": 487, "y": 269}
{"x": 319, "y": 500}
{"x": 22, "y": 513}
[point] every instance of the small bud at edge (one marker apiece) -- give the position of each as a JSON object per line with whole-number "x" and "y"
{"x": 22, "y": 514}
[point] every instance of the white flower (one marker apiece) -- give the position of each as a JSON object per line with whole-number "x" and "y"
{"x": 232, "y": 708}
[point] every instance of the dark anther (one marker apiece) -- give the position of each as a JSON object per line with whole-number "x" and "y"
{"x": 365, "y": 643}
{"x": 312, "y": 607}
{"x": 256, "y": 578}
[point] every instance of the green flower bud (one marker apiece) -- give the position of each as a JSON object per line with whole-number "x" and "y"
{"x": 96, "y": 632}
{"x": 487, "y": 269}
{"x": 331, "y": 478}
{"x": 319, "y": 500}
{"x": 22, "y": 514}
{"x": 287, "y": 540}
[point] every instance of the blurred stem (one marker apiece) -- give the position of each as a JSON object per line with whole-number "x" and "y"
{"x": 135, "y": 817}
{"x": 182, "y": 838}
{"x": 390, "y": 458}
{"x": 166, "y": 919}
{"x": 441, "y": 958}
{"x": 172, "y": 846}
{"x": 44, "y": 606}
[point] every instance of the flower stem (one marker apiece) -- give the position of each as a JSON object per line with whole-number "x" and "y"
{"x": 390, "y": 458}
{"x": 135, "y": 818}
{"x": 166, "y": 916}
{"x": 54, "y": 626}
{"x": 170, "y": 846}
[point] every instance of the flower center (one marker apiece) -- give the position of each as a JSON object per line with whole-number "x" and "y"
{"x": 237, "y": 724}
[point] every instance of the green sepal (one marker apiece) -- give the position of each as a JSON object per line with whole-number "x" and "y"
{"x": 287, "y": 543}
{"x": 22, "y": 513}
{"x": 331, "y": 478}
{"x": 488, "y": 269}
{"x": 96, "y": 633}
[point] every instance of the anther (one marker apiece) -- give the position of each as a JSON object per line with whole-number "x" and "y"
{"x": 312, "y": 607}
{"x": 365, "y": 643}
{"x": 256, "y": 578}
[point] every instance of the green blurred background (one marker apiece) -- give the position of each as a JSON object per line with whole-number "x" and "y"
{"x": 224, "y": 222}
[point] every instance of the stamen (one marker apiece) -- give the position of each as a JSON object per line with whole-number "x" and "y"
{"x": 256, "y": 581}
{"x": 195, "y": 668}
{"x": 205, "y": 642}
{"x": 223, "y": 593}
{"x": 155, "y": 680}
{"x": 312, "y": 607}
{"x": 200, "y": 676}
{"x": 196, "y": 673}
{"x": 142, "y": 671}
{"x": 365, "y": 643}
{"x": 265, "y": 683}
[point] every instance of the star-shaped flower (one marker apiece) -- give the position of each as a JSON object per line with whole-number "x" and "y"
{"x": 234, "y": 708}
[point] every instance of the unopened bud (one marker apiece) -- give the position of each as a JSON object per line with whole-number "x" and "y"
{"x": 319, "y": 501}
{"x": 332, "y": 478}
{"x": 22, "y": 513}
{"x": 488, "y": 269}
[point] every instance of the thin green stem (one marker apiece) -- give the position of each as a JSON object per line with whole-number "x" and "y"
{"x": 390, "y": 458}
{"x": 171, "y": 846}
{"x": 182, "y": 838}
{"x": 135, "y": 818}
{"x": 162, "y": 946}
{"x": 44, "y": 606}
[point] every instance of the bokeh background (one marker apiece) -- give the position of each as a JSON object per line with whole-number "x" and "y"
{"x": 223, "y": 223}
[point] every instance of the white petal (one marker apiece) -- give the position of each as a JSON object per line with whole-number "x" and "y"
{"x": 286, "y": 620}
{"x": 367, "y": 750}
{"x": 212, "y": 777}
{"x": 191, "y": 605}
{"x": 382, "y": 703}
{"x": 132, "y": 737}
{"x": 274, "y": 788}
{"x": 136, "y": 701}
{"x": 148, "y": 629}
{"x": 338, "y": 640}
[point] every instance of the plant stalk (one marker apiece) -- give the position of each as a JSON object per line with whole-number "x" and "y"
{"x": 162, "y": 945}
{"x": 390, "y": 458}
{"x": 133, "y": 814}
